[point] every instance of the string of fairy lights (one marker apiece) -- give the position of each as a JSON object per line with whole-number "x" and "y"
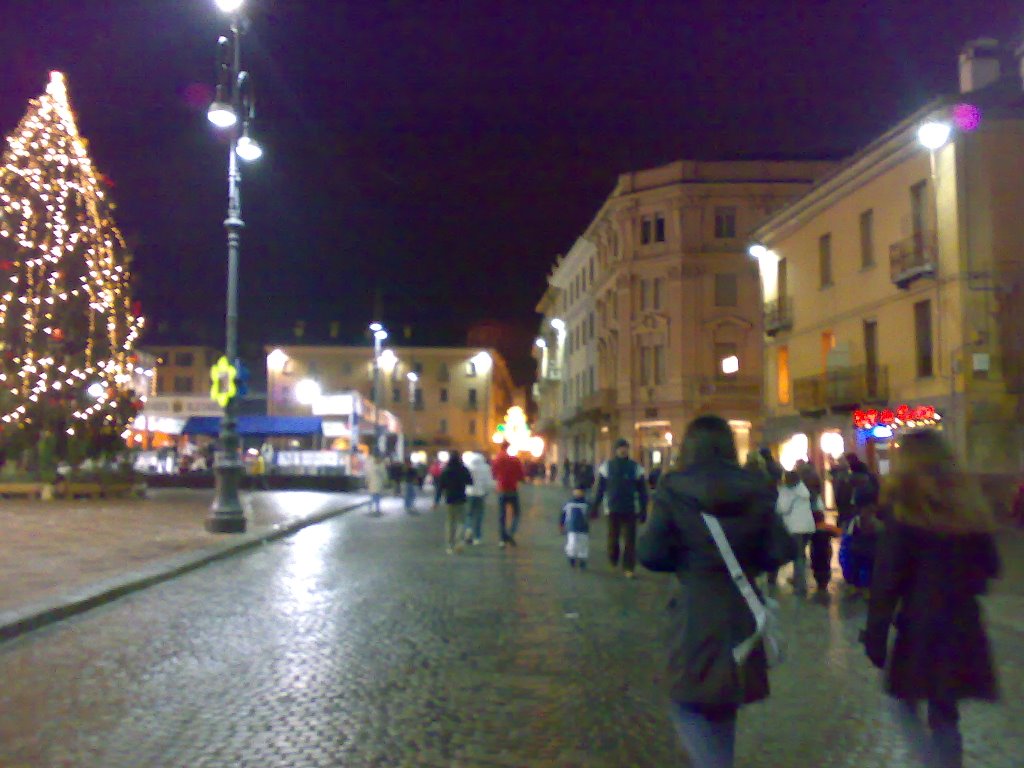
{"x": 65, "y": 270}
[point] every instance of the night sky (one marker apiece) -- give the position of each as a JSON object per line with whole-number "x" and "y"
{"x": 442, "y": 152}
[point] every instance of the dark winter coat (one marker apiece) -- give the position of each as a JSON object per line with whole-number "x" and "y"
{"x": 621, "y": 484}
{"x": 708, "y": 616}
{"x": 930, "y": 582}
{"x": 453, "y": 482}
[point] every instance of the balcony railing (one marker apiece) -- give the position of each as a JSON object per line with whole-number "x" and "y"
{"x": 737, "y": 387}
{"x": 841, "y": 388}
{"x": 603, "y": 400}
{"x": 913, "y": 258}
{"x": 778, "y": 315}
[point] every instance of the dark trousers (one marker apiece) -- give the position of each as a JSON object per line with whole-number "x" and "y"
{"x": 622, "y": 527}
{"x": 938, "y": 745}
{"x": 508, "y": 502}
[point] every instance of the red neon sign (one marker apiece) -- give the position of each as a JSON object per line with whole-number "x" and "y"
{"x": 887, "y": 417}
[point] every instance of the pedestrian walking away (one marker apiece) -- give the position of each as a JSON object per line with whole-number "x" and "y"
{"x": 936, "y": 555}
{"x": 411, "y": 485}
{"x": 621, "y": 483}
{"x": 575, "y": 526}
{"x": 453, "y": 483}
{"x": 483, "y": 484}
{"x": 508, "y": 473}
{"x": 794, "y": 507}
{"x": 376, "y": 479}
{"x": 708, "y": 615}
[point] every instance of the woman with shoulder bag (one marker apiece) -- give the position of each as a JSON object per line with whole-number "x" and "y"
{"x": 935, "y": 555}
{"x": 710, "y": 617}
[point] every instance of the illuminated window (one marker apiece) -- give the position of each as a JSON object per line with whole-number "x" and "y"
{"x": 828, "y": 343}
{"x": 782, "y": 374}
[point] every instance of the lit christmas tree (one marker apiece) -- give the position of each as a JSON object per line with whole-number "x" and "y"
{"x": 67, "y": 326}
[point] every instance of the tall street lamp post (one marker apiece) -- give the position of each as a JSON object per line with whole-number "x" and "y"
{"x": 379, "y": 336}
{"x": 232, "y": 110}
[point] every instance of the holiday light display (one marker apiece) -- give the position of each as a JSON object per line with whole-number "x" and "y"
{"x": 516, "y": 432}
{"x": 67, "y": 325}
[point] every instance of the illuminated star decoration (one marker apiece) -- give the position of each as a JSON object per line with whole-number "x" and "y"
{"x": 66, "y": 317}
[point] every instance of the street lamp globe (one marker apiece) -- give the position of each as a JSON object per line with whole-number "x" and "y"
{"x": 558, "y": 324}
{"x": 933, "y": 134}
{"x": 540, "y": 343}
{"x": 248, "y": 149}
{"x": 412, "y": 376}
{"x": 380, "y": 335}
{"x": 388, "y": 360}
{"x": 757, "y": 251}
{"x": 374, "y": 327}
{"x": 481, "y": 361}
{"x": 307, "y": 391}
{"x": 222, "y": 114}
{"x": 230, "y": 6}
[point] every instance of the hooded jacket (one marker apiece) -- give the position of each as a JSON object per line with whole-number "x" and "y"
{"x": 708, "y": 616}
{"x": 483, "y": 482}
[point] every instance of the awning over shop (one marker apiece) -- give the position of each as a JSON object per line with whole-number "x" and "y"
{"x": 264, "y": 426}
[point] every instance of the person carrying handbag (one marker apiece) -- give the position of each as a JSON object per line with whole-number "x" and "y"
{"x": 709, "y": 616}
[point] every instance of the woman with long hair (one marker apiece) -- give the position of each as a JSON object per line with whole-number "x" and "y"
{"x": 709, "y": 617}
{"x": 935, "y": 556}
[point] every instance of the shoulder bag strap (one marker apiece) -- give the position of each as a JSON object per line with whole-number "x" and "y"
{"x": 742, "y": 584}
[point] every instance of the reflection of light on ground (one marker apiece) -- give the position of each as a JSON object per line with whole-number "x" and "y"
{"x": 308, "y": 552}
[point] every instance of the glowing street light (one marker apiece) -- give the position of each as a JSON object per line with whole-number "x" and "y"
{"x": 307, "y": 391}
{"x": 221, "y": 114}
{"x": 230, "y": 6}
{"x": 933, "y": 134}
{"x": 558, "y": 324}
{"x": 757, "y": 251}
{"x": 541, "y": 344}
{"x": 730, "y": 365}
{"x": 248, "y": 149}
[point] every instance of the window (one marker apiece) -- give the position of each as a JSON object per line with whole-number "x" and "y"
{"x": 659, "y": 364}
{"x": 825, "y": 260}
{"x": 591, "y": 321}
{"x": 442, "y": 372}
{"x": 657, "y": 289}
{"x": 659, "y": 228}
{"x": 471, "y": 368}
{"x": 726, "y": 289}
{"x": 184, "y": 359}
{"x": 645, "y": 365}
{"x": 828, "y": 343}
{"x": 472, "y": 426}
{"x": 923, "y": 337}
{"x": 444, "y": 394}
{"x": 443, "y": 427}
{"x": 645, "y": 230}
{"x": 182, "y": 385}
{"x": 346, "y": 368}
{"x": 867, "y": 239}
{"x": 723, "y": 351}
{"x": 782, "y": 374}
{"x": 396, "y": 394}
{"x": 725, "y": 221}
{"x": 591, "y": 278}
{"x": 918, "y": 208}
{"x": 472, "y": 398}
{"x": 592, "y": 388}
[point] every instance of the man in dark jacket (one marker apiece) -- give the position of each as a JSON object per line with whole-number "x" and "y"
{"x": 709, "y": 617}
{"x": 622, "y": 480}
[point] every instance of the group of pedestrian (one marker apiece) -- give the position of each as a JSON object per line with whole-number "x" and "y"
{"x": 464, "y": 489}
{"x": 717, "y": 527}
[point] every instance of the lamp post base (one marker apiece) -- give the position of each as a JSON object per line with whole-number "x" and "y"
{"x": 226, "y": 513}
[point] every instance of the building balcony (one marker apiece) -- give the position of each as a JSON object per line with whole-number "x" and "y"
{"x": 841, "y": 389}
{"x": 601, "y": 400}
{"x": 730, "y": 387}
{"x": 913, "y": 258}
{"x": 778, "y": 315}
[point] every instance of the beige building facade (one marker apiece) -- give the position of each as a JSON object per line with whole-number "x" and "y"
{"x": 675, "y": 301}
{"x": 183, "y": 369}
{"x": 458, "y": 397}
{"x": 892, "y": 289}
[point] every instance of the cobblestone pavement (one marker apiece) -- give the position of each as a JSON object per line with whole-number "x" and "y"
{"x": 48, "y": 549}
{"x": 358, "y": 642}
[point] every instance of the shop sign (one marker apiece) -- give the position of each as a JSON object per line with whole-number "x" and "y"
{"x": 904, "y": 415}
